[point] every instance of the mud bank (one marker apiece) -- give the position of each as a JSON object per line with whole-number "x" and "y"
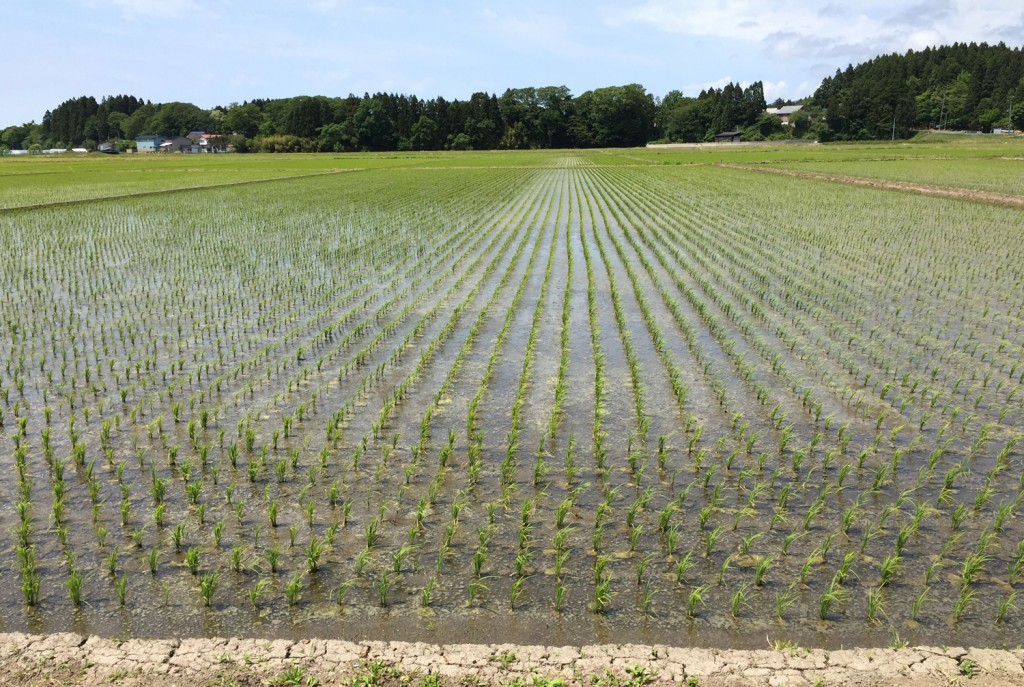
{"x": 69, "y": 659}
{"x": 975, "y": 195}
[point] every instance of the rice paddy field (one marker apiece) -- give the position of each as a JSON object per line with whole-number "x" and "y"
{"x": 996, "y": 175}
{"x": 554, "y": 397}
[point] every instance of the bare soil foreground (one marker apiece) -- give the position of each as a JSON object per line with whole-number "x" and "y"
{"x": 70, "y": 659}
{"x": 923, "y": 189}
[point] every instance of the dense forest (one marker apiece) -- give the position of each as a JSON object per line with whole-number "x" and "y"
{"x": 966, "y": 87}
{"x": 548, "y": 117}
{"x": 974, "y": 87}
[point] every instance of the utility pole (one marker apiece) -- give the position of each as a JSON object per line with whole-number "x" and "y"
{"x": 893, "y": 126}
{"x": 1009, "y": 116}
{"x": 942, "y": 108}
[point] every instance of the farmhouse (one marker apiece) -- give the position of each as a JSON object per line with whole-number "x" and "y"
{"x": 195, "y": 142}
{"x": 729, "y": 137}
{"x": 178, "y": 144}
{"x": 208, "y": 143}
{"x": 148, "y": 144}
{"x": 784, "y": 112}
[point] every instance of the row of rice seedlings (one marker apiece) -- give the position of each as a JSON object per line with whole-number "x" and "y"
{"x": 641, "y": 417}
{"x": 372, "y": 530}
{"x": 531, "y": 506}
{"x": 811, "y": 478}
{"x": 279, "y": 465}
{"x": 381, "y": 368}
{"x": 418, "y": 529}
{"x": 556, "y": 416}
{"x": 158, "y": 507}
{"x": 917, "y": 340}
{"x": 476, "y": 586}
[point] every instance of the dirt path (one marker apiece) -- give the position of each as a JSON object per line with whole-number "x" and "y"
{"x": 69, "y": 659}
{"x": 177, "y": 189}
{"x": 923, "y": 189}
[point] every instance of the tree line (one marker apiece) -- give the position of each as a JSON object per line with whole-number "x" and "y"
{"x": 520, "y": 118}
{"x": 964, "y": 86}
{"x": 961, "y": 86}
{"x": 545, "y": 117}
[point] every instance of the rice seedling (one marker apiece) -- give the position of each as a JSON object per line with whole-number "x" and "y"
{"x": 382, "y": 586}
{"x": 272, "y": 513}
{"x": 738, "y": 600}
{"x": 710, "y": 539}
{"x": 340, "y": 593}
{"x": 74, "y": 585}
{"x": 370, "y": 534}
{"x": 293, "y": 590}
{"x": 192, "y": 560}
{"x": 515, "y": 592}
{"x": 962, "y": 601}
{"x": 31, "y": 583}
{"x": 1006, "y": 605}
{"x": 647, "y": 594}
{"x": 783, "y": 600}
{"x": 725, "y": 568}
{"x": 314, "y": 552}
{"x": 973, "y": 565}
{"x": 121, "y": 588}
{"x": 761, "y": 569}
{"x": 476, "y": 586}
{"x": 257, "y": 591}
{"x": 830, "y": 599}
{"x": 875, "y": 604}
{"x": 890, "y": 567}
{"x": 398, "y": 557}
{"x": 560, "y": 590}
{"x": 695, "y": 599}
{"x": 178, "y": 536}
{"x": 682, "y": 566}
{"x": 426, "y": 593}
{"x": 641, "y": 566}
{"x": 208, "y": 586}
{"x": 273, "y": 556}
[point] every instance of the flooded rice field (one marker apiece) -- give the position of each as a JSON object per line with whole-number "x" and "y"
{"x": 558, "y": 404}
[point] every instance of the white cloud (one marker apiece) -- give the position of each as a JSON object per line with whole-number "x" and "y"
{"x": 134, "y": 9}
{"x": 775, "y": 89}
{"x": 847, "y": 33}
{"x": 691, "y": 90}
{"x": 535, "y": 32}
{"x": 772, "y": 89}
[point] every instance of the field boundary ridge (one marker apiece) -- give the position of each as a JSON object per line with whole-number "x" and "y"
{"x": 176, "y": 189}
{"x": 954, "y": 192}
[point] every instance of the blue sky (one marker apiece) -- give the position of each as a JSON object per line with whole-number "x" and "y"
{"x": 214, "y": 52}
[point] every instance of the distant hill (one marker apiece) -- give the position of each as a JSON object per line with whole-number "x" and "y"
{"x": 960, "y": 87}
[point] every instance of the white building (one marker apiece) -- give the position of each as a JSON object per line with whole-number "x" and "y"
{"x": 784, "y": 112}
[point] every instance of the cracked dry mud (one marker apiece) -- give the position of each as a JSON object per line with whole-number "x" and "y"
{"x": 70, "y": 659}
